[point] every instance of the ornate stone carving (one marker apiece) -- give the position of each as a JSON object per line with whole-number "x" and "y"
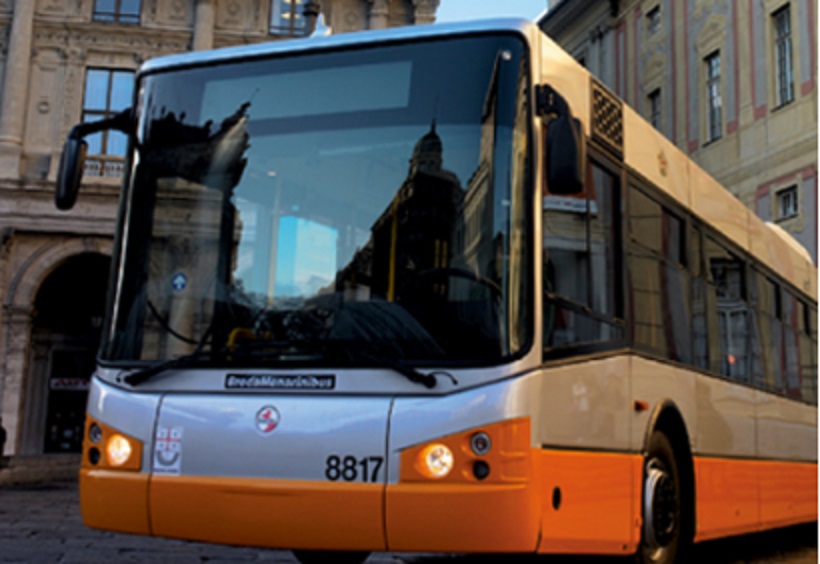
{"x": 176, "y": 13}
{"x": 426, "y": 10}
{"x": 52, "y": 7}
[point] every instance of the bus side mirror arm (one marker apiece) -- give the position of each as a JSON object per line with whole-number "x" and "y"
{"x": 70, "y": 171}
{"x": 564, "y": 146}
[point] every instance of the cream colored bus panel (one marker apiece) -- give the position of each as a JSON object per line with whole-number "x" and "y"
{"x": 647, "y": 151}
{"x": 804, "y": 273}
{"x": 785, "y": 429}
{"x": 719, "y": 208}
{"x": 653, "y": 382}
{"x": 773, "y": 250}
{"x": 587, "y": 405}
{"x": 725, "y": 414}
{"x": 760, "y": 244}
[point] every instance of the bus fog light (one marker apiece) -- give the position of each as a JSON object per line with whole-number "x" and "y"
{"x": 437, "y": 460}
{"x": 95, "y": 433}
{"x": 118, "y": 450}
{"x": 481, "y": 469}
{"x": 94, "y": 455}
{"x": 480, "y": 443}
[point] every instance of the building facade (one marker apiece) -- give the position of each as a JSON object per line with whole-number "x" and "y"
{"x": 66, "y": 62}
{"x": 733, "y": 83}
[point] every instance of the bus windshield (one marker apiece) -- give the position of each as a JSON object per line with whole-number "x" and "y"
{"x": 331, "y": 206}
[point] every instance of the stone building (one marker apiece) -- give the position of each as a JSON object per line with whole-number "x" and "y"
{"x": 733, "y": 83}
{"x": 62, "y": 62}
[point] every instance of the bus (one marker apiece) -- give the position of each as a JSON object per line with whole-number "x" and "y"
{"x": 436, "y": 289}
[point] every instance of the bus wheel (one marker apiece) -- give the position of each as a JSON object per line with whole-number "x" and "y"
{"x": 661, "y": 539}
{"x": 329, "y": 556}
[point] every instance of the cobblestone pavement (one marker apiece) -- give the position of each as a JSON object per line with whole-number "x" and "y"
{"x": 41, "y": 524}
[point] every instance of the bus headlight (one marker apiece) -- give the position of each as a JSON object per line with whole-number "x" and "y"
{"x": 436, "y": 460}
{"x": 118, "y": 450}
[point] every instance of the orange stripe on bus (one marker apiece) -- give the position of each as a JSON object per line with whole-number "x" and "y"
{"x": 590, "y": 502}
{"x": 453, "y": 517}
{"x": 742, "y": 496}
{"x": 272, "y": 513}
{"x": 114, "y": 500}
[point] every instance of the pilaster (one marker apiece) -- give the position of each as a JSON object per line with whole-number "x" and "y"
{"x": 204, "y": 25}
{"x": 15, "y": 88}
{"x": 379, "y": 14}
{"x": 16, "y": 337}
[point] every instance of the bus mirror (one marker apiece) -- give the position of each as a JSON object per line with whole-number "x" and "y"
{"x": 564, "y": 147}
{"x": 70, "y": 173}
{"x": 564, "y": 163}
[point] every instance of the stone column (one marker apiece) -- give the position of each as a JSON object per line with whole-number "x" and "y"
{"x": 204, "y": 25}
{"x": 17, "y": 334}
{"x": 379, "y": 12}
{"x": 425, "y": 11}
{"x": 15, "y": 89}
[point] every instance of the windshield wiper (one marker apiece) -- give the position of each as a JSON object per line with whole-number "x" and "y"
{"x": 262, "y": 348}
{"x": 426, "y": 379}
{"x": 144, "y": 374}
{"x": 336, "y": 349}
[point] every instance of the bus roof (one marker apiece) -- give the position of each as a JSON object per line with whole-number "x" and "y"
{"x": 307, "y": 44}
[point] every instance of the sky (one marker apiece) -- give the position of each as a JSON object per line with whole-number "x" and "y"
{"x": 457, "y": 10}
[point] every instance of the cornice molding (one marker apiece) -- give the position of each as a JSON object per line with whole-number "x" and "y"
{"x": 81, "y": 37}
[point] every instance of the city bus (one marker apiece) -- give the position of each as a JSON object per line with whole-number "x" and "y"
{"x": 436, "y": 289}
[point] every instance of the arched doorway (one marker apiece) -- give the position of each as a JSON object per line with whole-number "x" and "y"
{"x": 66, "y": 329}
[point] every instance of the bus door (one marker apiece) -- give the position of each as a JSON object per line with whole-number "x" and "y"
{"x": 296, "y": 471}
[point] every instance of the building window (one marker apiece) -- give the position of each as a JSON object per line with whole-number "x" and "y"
{"x": 653, "y": 20}
{"x": 121, "y": 11}
{"x": 713, "y": 98}
{"x": 286, "y": 17}
{"x": 787, "y": 203}
{"x": 783, "y": 55}
{"x": 654, "y": 99}
{"x": 107, "y": 92}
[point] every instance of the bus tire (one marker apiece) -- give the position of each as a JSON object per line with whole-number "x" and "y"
{"x": 662, "y": 539}
{"x": 330, "y": 556}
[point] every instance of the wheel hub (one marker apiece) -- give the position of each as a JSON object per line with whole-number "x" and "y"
{"x": 660, "y": 506}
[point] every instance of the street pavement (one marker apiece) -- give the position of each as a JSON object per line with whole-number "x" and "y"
{"x": 41, "y": 524}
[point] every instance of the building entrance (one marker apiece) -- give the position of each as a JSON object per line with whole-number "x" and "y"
{"x": 66, "y": 331}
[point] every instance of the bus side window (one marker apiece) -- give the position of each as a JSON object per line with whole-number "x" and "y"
{"x": 766, "y": 372}
{"x": 581, "y": 270}
{"x": 659, "y": 278}
{"x": 811, "y": 326}
{"x": 791, "y": 339}
{"x": 727, "y": 319}
{"x": 700, "y": 335}
{"x": 807, "y": 353}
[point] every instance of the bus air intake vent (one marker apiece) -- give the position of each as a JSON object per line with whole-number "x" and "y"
{"x": 607, "y": 119}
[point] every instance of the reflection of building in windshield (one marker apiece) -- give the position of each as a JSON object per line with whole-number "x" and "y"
{"x": 412, "y": 235}
{"x": 476, "y": 224}
{"x": 194, "y": 169}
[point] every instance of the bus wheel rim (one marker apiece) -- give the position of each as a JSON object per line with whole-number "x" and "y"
{"x": 660, "y": 505}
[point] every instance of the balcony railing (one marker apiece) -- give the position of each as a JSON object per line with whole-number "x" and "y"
{"x": 103, "y": 166}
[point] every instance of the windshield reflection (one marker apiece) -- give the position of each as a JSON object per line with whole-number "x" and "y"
{"x": 274, "y": 237}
